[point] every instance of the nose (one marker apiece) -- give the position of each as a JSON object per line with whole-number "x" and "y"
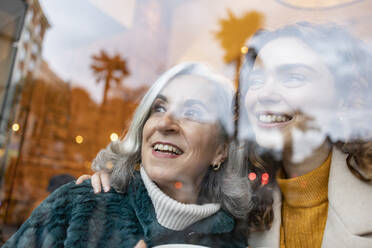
{"x": 270, "y": 92}
{"x": 168, "y": 124}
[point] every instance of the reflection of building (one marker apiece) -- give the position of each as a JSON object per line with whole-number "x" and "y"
{"x": 26, "y": 60}
{"x": 28, "y": 57}
{"x": 12, "y": 14}
{"x": 30, "y": 44}
{"x": 117, "y": 114}
{"x": 54, "y": 115}
{"x": 43, "y": 114}
{"x": 48, "y": 116}
{"x": 25, "y": 65}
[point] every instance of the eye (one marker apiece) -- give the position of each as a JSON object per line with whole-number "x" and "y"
{"x": 193, "y": 113}
{"x": 293, "y": 80}
{"x": 158, "y": 108}
{"x": 255, "y": 82}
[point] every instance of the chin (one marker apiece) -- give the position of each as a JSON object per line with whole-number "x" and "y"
{"x": 270, "y": 139}
{"x": 157, "y": 174}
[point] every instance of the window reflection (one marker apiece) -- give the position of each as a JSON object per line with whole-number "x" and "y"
{"x": 70, "y": 79}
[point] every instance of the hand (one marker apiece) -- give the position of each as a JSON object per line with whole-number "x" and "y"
{"x": 97, "y": 179}
{"x": 141, "y": 244}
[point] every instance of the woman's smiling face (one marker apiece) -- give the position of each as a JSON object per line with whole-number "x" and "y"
{"x": 288, "y": 86}
{"x": 181, "y": 138}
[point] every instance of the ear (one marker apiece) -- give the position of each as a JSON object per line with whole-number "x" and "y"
{"x": 221, "y": 153}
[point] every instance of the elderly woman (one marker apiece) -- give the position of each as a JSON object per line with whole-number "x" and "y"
{"x": 169, "y": 177}
{"x": 305, "y": 103}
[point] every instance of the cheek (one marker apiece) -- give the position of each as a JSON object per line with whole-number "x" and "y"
{"x": 318, "y": 93}
{"x": 212, "y": 141}
{"x": 249, "y": 100}
{"x": 204, "y": 140}
{"x": 310, "y": 99}
{"x": 147, "y": 129}
{"x": 146, "y": 134}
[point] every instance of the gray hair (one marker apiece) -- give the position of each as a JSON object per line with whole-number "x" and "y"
{"x": 125, "y": 154}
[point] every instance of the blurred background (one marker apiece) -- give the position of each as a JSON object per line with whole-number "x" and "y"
{"x": 73, "y": 71}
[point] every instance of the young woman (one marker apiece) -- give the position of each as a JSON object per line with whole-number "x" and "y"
{"x": 178, "y": 142}
{"x": 305, "y": 112}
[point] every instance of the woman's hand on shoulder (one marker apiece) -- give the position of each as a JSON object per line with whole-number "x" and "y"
{"x": 99, "y": 180}
{"x": 141, "y": 244}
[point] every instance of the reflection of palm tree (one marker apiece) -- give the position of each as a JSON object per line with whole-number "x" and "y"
{"x": 109, "y": 69}
{"x": 234, "y": 32}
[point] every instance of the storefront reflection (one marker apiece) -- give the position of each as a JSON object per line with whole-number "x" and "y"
{"x": 71, "y": 82}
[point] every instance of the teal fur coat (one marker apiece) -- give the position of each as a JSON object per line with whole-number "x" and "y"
{"x": 73, "y": 216}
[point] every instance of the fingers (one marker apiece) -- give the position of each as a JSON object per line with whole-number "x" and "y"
{"x": 105, "y": 180}
{"x": 141, "y": 244}
{"x": 96, "y": 182}
{"x": 97, "y": 179}
{"x": 82, "y": 178}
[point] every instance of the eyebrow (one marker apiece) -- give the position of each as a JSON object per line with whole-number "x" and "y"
{"x": 191, "y": 102}
{"x": 289, "y": 67}
{"x": 285, "y": 67}
{"x": 162, "y": 97}
{"x": 188, "y": 103}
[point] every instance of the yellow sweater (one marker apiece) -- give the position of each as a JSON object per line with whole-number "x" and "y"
{"x": 304, "y": 207}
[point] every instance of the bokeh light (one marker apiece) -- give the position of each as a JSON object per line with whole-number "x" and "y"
{"x": 15, "y": 127}
{"x": 252, "y": 176}
{"x": 114, "y": 137}
{"x": 79, "y": 139}
{"x": 178, "y": 185}
{"x": 244, "y": 49}
{"x": 265, "y": 178}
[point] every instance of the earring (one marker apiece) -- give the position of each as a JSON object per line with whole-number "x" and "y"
{"x": 217, "y": 166}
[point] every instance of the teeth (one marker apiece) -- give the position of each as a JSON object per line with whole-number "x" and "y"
{"x": 167, "y": 148}
{"x": 271, "y": 118}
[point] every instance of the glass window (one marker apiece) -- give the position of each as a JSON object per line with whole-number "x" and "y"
{"x": 262, "y": 104}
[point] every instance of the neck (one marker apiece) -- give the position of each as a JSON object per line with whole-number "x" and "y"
{"x": 310, "y": 163}
{"x": 182, "y": 191}
{"x": 172, "y": 214}
{"x": 180, "y": 195}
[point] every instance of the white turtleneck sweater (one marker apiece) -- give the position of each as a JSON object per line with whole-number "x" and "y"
{"x": 172, "y": 214}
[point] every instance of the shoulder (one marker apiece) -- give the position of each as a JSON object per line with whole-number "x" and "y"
{"x": 349, "y": 198}
{"x": 72, "y": 198}
{"x": 74, "y": 214}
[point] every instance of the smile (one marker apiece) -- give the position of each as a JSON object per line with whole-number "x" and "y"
{"x": 167, "y": 148}
{"x": 272, "y": 118}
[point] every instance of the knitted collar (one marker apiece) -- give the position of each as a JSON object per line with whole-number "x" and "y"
{"x": 307, "y": 190}
{"x": 218, "y": 223}
{"x": 173, "y": 214}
